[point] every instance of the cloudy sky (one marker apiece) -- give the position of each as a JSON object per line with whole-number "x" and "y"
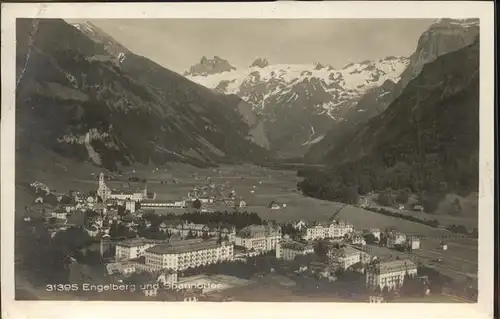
{"x": 179, "y": 43}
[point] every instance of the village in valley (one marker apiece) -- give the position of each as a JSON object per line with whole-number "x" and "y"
{"x": 208, "y": 238}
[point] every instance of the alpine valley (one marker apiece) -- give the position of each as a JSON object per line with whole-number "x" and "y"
{"x": 86, "y": 96}
{"x": 425, "y": 137}
{"x": 82, "y": 95}
{"x": 298, "y": 103}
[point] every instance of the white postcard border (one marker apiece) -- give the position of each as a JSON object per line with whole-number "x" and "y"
{"x": 278, "y": 10}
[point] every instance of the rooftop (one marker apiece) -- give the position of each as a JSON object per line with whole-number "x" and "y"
{"x": 122, "y": 192}
{"x": 184, "y": 246}
{"x": 136, "y": 242}
{"x": 340, "y": 223}
{"x": 253, "y": 231}
{"x": 393, "y": 266}
{"x": 344, "y": 251}
{"x": 296, "y": 245}
{"x": 160, "y": 201}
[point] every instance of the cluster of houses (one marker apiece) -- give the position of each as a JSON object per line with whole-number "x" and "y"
{"x": 342, "y": 256}
{"x": 318, "y": 230}
{"x": 192, "y": 245}
{"x": 338, "y": 229}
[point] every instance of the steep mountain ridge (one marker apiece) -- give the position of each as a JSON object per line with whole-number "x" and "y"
{"x": 442, "y": 37}
{"x": 209, "y": 66}
{"x": 299, "y": 103}
{"x": 148, "y": 70}
{"x": 81, "y": 88}
{"x": 426, "y": 140}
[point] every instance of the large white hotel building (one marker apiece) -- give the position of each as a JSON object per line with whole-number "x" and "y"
{"x": 389, "y": 274}
{"x": 133, "y": 248}
{"x": 183, "y": 254}
{"x": 334, "y": 229}
{"x": 259, "y": 238}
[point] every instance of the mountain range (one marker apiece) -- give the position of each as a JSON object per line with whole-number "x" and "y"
{"x": 442, "y": 37}
{"x": 426, "y": 140}
{"x": 297, "y": 103}
{"x": 82, "y": 95}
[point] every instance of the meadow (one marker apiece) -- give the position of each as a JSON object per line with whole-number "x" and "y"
{"x": 257, "y": 186}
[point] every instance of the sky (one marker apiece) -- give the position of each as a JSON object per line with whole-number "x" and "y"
{"x": 179, "y": 43}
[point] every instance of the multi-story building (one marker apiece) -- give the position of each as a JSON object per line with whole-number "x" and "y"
{"x": 358, "y": 239}
{"x": 130, "y": 206}
{"x": 180, "y": 255}
{"x": 106, "y": 193}
{"x": 343, "y": 257}
{"x": 375, "y": 232}
{"x": 133, "y": 248}
{"x": 259, "y": 237}
{"x": 183, "y": 229}
{"x": 315, "y": 231}
{"x": 395, "y": 239}
{"x": 365, "y": 258}
{"x": 414, "y": 242}
{"x": 206, "y": 200}
{"x": 389, "y": 274}
{"x": 335, "y": 229}
{"x": 299, "y": 224}
{"x": 156, "y": 203}
{"x": 289, "y": 249}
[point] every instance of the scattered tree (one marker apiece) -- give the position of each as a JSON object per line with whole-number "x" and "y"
{"x": 321, "y": 249}
{"x": 385, "y": 199}
{"x": 370, "y": 239}
{"x": 402, "y": 197}
{"x": 455, "y": 208}
{"x": 121, "y": 210}
{"x": 197, "y": 204}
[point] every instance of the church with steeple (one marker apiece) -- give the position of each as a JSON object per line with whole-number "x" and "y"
{"x": 105, "y": 193}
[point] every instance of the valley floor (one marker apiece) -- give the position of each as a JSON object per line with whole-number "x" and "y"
{"x": 258, "y": 186}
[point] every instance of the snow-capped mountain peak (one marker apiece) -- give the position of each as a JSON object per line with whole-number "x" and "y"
{"x": 259, "y": 63}
{"x": 210, "y": 66}
{"x": 295, "y": 95}
{"x": 354, "y": 79}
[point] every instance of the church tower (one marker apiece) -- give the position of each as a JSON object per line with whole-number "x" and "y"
{"x": 103, "y": 190}
{"x": 102, "y": 184}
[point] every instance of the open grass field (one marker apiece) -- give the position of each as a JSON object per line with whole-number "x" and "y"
{"x": 267, "y": 185}
{"x": 362, "y": 218}
{"x": 257, "y": 186}
{"x": 470, "y": 221}
{"x": 460, "y": 261}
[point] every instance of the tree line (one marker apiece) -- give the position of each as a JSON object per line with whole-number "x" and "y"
{"x": 346, "y": 182}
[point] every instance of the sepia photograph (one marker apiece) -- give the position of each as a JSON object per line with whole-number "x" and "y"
{"x": 279, "y": 159}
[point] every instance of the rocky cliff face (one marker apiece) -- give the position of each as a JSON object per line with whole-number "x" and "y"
{"x": 299, "y": 103}
{"x": 209, "y": 66}
{"x": 79, "y": 90}
{"x": 442, "y": 37}
{"x": 429, "y": 136}
{"x": 260, "y": 63}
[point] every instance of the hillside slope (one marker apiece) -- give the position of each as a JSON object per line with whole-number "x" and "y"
{"x": 88, "y": 97}
{"x": 442, "y": 37}
{"x": 426, "y": 140}
{"x": 298, "y": 103}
